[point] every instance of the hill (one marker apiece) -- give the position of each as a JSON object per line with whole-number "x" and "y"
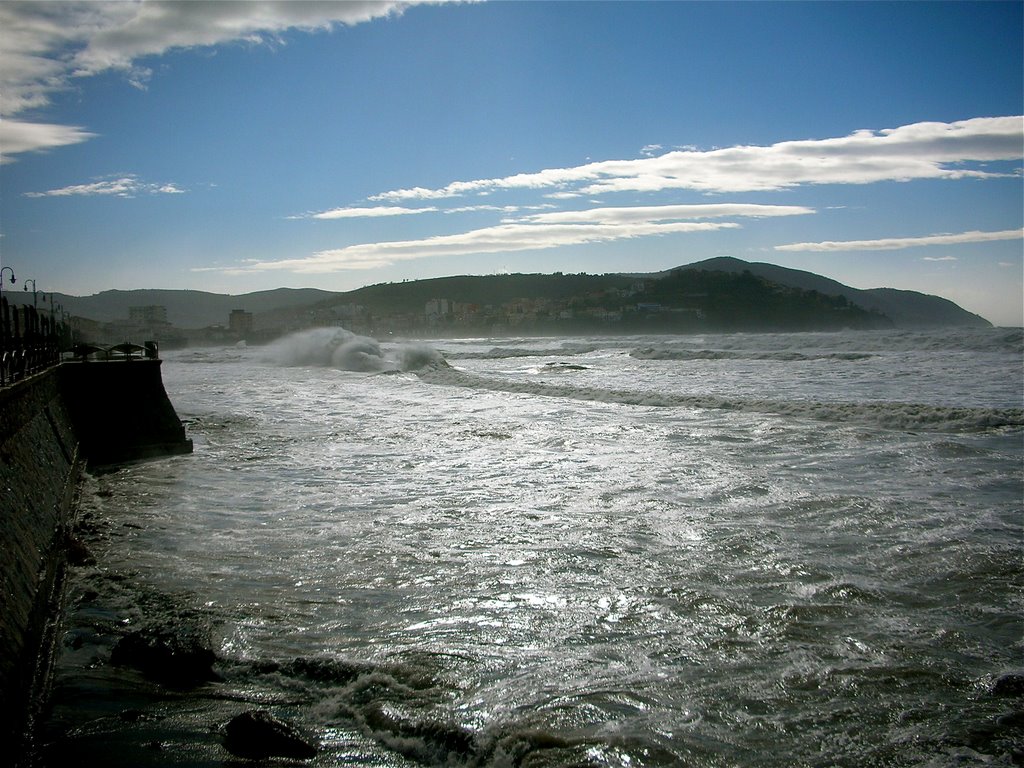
{"x": 185, "y": 309}
{"x": 906, "y": 309}
{"x": 482, "y": 290}
{"x": 683, "y": 300}
{"x": 722, "y": 294}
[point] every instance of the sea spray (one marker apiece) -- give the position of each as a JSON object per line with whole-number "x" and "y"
{"x": 347, "y": 351}
{"x": 734, "y": 561}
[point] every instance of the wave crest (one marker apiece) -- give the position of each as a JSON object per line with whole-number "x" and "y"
{"x": 347, "y": 351}
{"x": 888, "y": 415}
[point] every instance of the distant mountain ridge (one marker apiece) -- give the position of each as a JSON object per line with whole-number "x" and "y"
{"x": 907, "y": 309}
{"x": 185, "y": 308}
{"x": 199, "y": 309}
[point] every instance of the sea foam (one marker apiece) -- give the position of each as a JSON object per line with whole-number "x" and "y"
{"x": 347, "y": 351}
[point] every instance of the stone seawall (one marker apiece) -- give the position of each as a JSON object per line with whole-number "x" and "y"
{"x": 121, "y": 411}
{"x": 51, "y": 424}
{"x": 39, "y": 466}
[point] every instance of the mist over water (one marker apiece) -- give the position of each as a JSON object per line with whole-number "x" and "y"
{"x": 738, "y": 550}
{"x": 347, "y": 351}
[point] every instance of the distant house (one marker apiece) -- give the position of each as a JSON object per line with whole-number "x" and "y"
{"x": 437, "y": 308}
{"x": 240, "y": 322}
{"x": 148, "y": 316}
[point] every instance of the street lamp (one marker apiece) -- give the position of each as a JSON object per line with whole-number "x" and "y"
{"x": 5, "y": 269}
{"x": 5, "y": 327}
{"x": 35, "y": 293}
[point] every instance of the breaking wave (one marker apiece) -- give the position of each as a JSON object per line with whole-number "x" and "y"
{"x": 503, "y": 353}
{"x": 347, "y": 351}
{"x": 663, "y": 353}
{"x": 888, "y": 415}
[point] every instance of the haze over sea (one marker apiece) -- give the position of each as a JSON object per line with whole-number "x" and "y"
{"x": 733, "y": 550}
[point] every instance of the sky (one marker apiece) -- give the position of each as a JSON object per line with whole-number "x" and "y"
{"x": 241, "y": 146}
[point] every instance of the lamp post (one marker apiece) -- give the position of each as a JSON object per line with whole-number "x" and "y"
{"x": 5, "y": 321}
{"x": 5, "y": 269}
{"x": 35, "y": 292}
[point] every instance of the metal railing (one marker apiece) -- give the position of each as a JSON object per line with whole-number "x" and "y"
{"x": 30, "y": 341}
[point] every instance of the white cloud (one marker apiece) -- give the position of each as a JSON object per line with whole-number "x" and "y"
{"x": 624, "y": 215}
{"x": 498, "y": 208}
{"x": 502, "y": 238}
{"x": 537, "y": 231}
{"x": 916, "y": 151}
{"x": 939, "y": 258}
{"x": 17, "y": 136}
{"x": 365, "y": 213}
{"x": 124, "y": 186}
{"x": 150, "y": 28}
{"x": 46, "y": 44}
{"x": 898, "y": 243}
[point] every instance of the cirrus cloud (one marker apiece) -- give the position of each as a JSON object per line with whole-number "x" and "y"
{"x": 17, "y": 136}
{"x": 928, "y": 150}
{"x": 898, "y": 243}
{"x": 537, "y": 231}
{"x": 640, "y": 213}
{"x": 502, "y": 238}
{"x": 365, "y": 213}
{"x": 128, "y": 185}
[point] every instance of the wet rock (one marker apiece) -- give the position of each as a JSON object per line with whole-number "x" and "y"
{"x": 178, "y": 657}
{"x": 324, "y": 670}
{"x": 1011, "y": 720}
{"x": 257, "y": 734}
{"x": 1009, "y": 685}
{"x": 77, "y": 553}
{"x": 425, "y": 740}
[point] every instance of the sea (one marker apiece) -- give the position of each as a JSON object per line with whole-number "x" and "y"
{"x": 773, "y": 550}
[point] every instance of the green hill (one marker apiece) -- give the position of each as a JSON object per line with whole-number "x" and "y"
{"x": 716, "y": 294}
{"x": 907, "y": 309}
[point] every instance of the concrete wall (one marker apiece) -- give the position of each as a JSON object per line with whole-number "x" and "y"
{"x": 39, "y": 465}
{"x": 50, "y": 423}
{"x": 120, "y": 410}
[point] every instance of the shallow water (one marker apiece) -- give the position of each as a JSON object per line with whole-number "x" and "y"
{"x": 737, "y": 550}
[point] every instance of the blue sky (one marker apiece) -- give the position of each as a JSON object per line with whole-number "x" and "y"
{"x": 235, "y": 147}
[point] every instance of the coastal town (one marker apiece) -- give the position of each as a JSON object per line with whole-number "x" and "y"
{"x": 436, "y": 317}
{"x": 721, "y": 295}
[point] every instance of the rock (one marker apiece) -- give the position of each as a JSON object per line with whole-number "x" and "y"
{"x": 257, "y": 734}
{"x": 1011, "y": 720}
{"x": 176, "y": 657}
{"x": 77, "y": 553}
{"x": 424, "y": 740}
{"x": 1009, "y": 685}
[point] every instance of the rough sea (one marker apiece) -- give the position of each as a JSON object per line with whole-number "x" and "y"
{"x": 773, "y": 550}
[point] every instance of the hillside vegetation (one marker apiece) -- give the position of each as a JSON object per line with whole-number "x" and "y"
{"x": 722, "y": 294}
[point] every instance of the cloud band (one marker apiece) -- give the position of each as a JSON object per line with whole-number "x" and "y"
{"x": 898, "y": 243}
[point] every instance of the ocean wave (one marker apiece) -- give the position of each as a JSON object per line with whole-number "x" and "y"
{"x": 347, "y": 351}
{"x": 664, "y": 353}
{"x": 994, "y": 340}
{"x": 504, "y": 353}
{"x": 405, "y": 708}
{"x": 889, "y": 415}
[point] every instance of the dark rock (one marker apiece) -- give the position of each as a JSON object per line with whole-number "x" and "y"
{"x": 1009, "y": 685}
{"x": 424, "y": 740}
{"x": 1011, "y": 720}
{"x": 177, "y": 657}
{"x": 329, "y": 671}
{"x": 77, "y": 553}
{"x": 257, "y": 734}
